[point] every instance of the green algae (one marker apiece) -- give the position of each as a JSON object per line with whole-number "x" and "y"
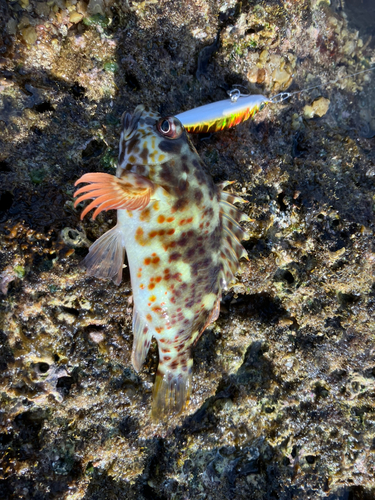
{"x": 20, "y": 271}
{"x": 96, "y": 20}
{"x": 110, "y": 66}
{"x": 37, "y": 176}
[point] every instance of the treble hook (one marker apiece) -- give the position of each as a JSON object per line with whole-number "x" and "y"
{"x": 234, "y": 94}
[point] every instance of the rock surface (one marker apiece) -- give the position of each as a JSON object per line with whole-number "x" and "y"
{"x": 283, "y": 401}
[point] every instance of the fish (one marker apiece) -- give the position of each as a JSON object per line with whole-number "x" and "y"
{"x": 181, "y": 234}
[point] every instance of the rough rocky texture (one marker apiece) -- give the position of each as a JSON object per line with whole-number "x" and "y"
{"x": 283, "y": 402}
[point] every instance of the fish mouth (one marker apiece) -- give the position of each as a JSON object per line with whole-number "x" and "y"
{"x": 130, "y": 122}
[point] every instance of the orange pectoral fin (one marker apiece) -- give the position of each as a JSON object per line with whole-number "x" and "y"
{"x": 108, "y": 192}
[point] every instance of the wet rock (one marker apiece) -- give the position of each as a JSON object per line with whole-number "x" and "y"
{"x": 75, "y": 17}
{"x": 283, "y": 384}
{"x": 318, "y": 108}
{"x": 29, "y": 34}
{"x": 74, "y": 238}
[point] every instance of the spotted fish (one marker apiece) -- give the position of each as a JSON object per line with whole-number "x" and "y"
{"x": 181, "y": 234}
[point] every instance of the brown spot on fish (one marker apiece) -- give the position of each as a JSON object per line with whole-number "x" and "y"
{"x": 174, "y": 256}
{"x": 161, "y": 219}
{"x": 183, "y": 240}
{"x": 144, "y": 155}
{"x": 139, "y": 238}
{"x": 145, "y": 215}
{"x": 122, "y": 154}
{"x": 141, "y": 169}
{"x": 180, "y": 205}
{"x": 183, "y": 185}
{"x": 168, "y": 176}
{"x": 199, "y": 175}
{"x": 171, "y": 146}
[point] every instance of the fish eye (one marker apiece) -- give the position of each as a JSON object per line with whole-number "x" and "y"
{"x": 170, "y": 127}
{"x": 165, "y": 127}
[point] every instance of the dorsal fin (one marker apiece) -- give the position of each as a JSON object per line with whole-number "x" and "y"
{"x": 231, "y": 250}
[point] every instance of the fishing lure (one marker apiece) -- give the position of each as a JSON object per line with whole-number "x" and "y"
{"x": 238, "y": 108}
{"x": 223, "y": 114}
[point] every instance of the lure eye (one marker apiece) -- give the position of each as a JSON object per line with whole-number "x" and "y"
{"x": 170, "y": 127}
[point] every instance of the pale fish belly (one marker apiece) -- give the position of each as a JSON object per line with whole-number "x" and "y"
{"x": 175, "y": 268}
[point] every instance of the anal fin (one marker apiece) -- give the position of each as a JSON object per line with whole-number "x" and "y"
{"x": 106, "y": 256}
{"x": 141, "y": 342}
{"x": 214, "y": 314}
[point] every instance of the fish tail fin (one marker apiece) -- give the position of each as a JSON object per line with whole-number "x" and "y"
{"x": 172, "y": 389}
{"x": 106, "y": 256}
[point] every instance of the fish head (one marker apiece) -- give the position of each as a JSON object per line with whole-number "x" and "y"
{"x": 149, "y": 139}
